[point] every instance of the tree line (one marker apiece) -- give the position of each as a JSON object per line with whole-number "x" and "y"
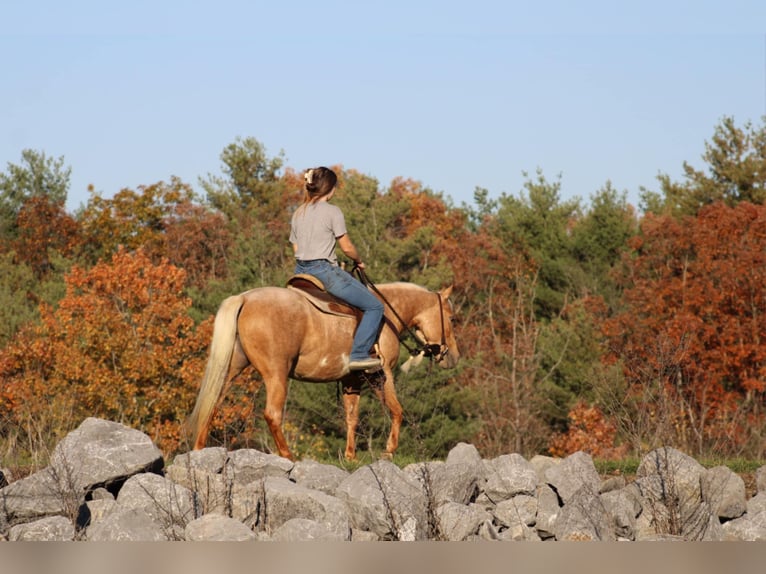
{"x": 584, "y": 325}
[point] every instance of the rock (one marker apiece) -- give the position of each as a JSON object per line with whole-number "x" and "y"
{"x": 304, "y": 529}
{"x": 456, "y": 482}
{"x": 463, "y": 453}
{"x": 548, "y": 509}
{"x": 584, "y": 517}
{"x": 102, "y": 452}
{"x": 286, "y": 500}
{"x": 323, "y": 477}
{"x": 623, "y": 507}
{"x": 217, "y": 528}
{"x": 574, "y": 472}
{"x": 724, "y": 490}
{"x": 248, "y": 465}
{"x": 509, "y": 476}
{"x": 129, "y": 525}
{"x": 381, "y": 498}
{"x": 669, "y": 483}
{"x": 521, "y": 509}
{"x": 50, "y": 529}
{"x": 457, "y": 521}
{"x": 760, "y": 479}
{"x": 37, "y": 496}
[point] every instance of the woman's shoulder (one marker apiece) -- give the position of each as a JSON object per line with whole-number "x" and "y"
{"x": 328, "y": 207}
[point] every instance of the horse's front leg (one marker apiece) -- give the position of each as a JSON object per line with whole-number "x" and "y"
{"x": 351, "y": 391}
{"x": 386, "y": 392}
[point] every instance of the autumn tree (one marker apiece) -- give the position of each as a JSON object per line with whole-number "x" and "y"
{"x": 120, "y": 346}
{"x": 694, "y": 323}
{"x": 38, "y": 176}
{"x": 44, "y": 228}
{"x": 131, "y": 219}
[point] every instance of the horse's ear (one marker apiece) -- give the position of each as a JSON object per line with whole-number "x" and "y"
{"x": 446, "y": 292}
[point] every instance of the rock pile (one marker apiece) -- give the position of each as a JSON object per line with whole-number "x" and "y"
{"x": 107, "y": 482}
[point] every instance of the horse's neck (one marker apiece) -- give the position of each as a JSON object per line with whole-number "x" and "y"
{"x": 406, "y": 299}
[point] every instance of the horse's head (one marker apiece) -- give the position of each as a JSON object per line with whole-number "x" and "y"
{"x": 434, "y": 326}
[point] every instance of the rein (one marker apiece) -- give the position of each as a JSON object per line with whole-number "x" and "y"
{"x": 431, "y": 350}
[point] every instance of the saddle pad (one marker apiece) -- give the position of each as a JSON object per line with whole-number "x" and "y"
{"x": 312, "y": 288}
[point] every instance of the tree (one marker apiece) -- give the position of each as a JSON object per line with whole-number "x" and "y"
{"x": 120, "y": 346}
{"x": 255, "y": 200}
{"x": 695, "y": 319}
{"x": 37, "y": 176}
{"x": 537, "y": 225}
{"x": 131, "y": 219}
{"x": 44, "y": 228}
{"x": 736, "y": 172}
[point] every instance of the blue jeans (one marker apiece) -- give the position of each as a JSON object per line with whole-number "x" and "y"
{"x": 343, "y": 285}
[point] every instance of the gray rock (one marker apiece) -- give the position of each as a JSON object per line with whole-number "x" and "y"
{"x": 381, "y": 498}
{"x": 98, "y": 509}
{"x": 217, "y": 528}
{"x": 211, "y": 459}
{"x": 541, "y": 464}
{"x": 669, "y": 482}
{"x": 750, "y": 527}
{"x": 50, "y": 529}
{"x": 285, "y": 500}
{"x": 312, "y": 474}
{"x": 757, "y": 504}
{"x": 36, "y": 496}
{"x": 459, "y": 521}
{"x": 100, "y": 452}
{"x": 248, "y": 465}
{"x": 724, "y": 491}
{"x": 612, "y": 483}
{"x": 212, "y": 491}
{"x": 303, "y": 530}
{"x": 170, "y": 504}
{"x": 510, "y": 475}
{"x": 548, "y": 509}
{"x": 574, "y": 472}
{"x": 584, "y": 517}
{"x": 129, "y": 525}
{"x": 463, "y": 453}
{"x": 456, "y": 482}
{"x": 623, "y": 507}
{"x": 521, "y": 509}
{"x": 760, "y": 479}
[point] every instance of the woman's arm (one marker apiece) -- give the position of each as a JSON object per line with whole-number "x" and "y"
{"x": 345, "y": 244}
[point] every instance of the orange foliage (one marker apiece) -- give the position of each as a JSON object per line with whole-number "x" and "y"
{"x": 589, "y": 431}
{"x": 43, "y": 225}
{"x": 120, "y": 346}
{"x": 695, "y": 314}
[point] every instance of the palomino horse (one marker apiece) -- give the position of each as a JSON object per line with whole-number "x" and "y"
{"x": 283, "y": 335}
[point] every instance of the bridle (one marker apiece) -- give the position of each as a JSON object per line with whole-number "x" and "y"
{"x": 434, "y": 351}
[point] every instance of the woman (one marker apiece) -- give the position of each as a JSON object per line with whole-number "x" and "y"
{"x": 316, "y": 228}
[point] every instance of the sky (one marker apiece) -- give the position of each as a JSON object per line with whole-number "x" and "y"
{"x": 455, "y": 95}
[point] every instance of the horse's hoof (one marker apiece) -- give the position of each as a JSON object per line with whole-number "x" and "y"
{"x": 387, "y": 456}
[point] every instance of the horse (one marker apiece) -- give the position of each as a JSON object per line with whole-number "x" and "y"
{"x": 284, "y": 334}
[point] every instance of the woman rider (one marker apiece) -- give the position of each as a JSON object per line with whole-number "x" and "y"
{"x": 316, "y": 227}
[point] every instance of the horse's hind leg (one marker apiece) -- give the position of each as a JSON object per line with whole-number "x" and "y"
{"x": 276, "y": 395}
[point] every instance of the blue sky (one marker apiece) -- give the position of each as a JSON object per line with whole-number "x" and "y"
{"x": 454, "y": 95}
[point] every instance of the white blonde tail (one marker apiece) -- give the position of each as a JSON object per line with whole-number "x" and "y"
{"x": 217, "y": 368}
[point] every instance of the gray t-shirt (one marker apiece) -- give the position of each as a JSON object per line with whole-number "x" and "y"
{"x": 314, "y": 229}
